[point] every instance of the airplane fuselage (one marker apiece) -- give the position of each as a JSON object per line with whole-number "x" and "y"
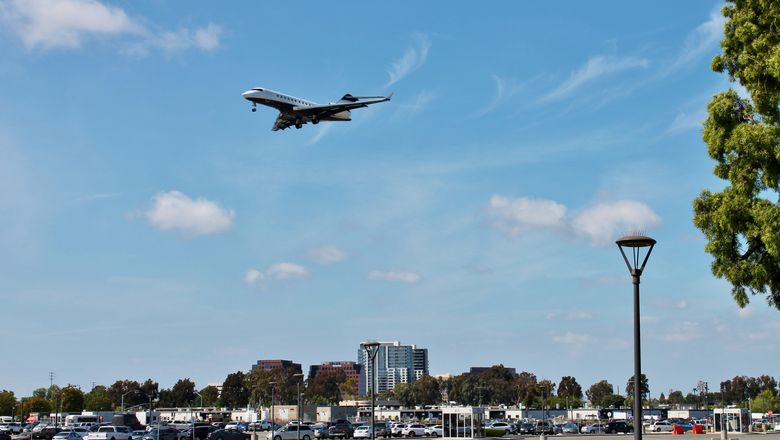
{"x": 288, "y": 105}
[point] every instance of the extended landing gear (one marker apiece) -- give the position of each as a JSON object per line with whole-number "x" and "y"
{"x": 315, "y": 121}
{"x": 254, "y": 107}
{"x": 298, "y": 123}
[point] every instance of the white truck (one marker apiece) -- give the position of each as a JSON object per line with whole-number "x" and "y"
{"x": 110, "y": 432}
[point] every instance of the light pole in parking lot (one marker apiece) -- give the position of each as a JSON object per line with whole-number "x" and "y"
{"x": 372, "y": 348}
{"x": 635, "y": 266}
{"x": 298, "y": 428}
{"x": 273, "y": 420}
{"x": 123, "y": 399}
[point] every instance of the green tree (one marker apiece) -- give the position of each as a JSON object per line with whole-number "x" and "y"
{"x": 34, "y": 404}
{"x": 72, "y": 399}
{"x": 235, "y": 393}
{"x": 427, "y": 390}
{"x": 7, "y": 402}
{"x": 613, "y": 401}
{"x": 598, "y": 391}
{"x": 570, "y": 391}
{"x": 130, "y": 389}
{"x": 766, "y": 401}
{"x": 404, "y": 392}
{"x": 742, "y": 222}
{"x": 98, "y": 400}
{"x": 183, "y": 392}
{"x": 676, "y": 397}
{"x": 40, "y": 392}
{"x": 325, "y": 388}
{"x": 527, "y": 389}
{"x": 644, "y": 387}
{"x": 210, "y": 395}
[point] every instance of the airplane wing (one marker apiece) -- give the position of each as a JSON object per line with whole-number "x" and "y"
{"x": 283, "y": 121}
{"x": 348, "y": 102}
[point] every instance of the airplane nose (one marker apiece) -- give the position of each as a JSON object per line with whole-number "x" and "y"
{"x": 247, "y": 94}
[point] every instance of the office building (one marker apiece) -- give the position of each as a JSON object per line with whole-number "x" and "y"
{"x": 273, "y": 364}
{"x": 395, "y": 363}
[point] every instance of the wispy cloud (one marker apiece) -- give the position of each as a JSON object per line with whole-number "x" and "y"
{"x": 175, "y": 211}
{"x": 66, "y": 24}
{"x": 421, "y": 101}
{"x": 327, "y": 255}
{"x": 505, "y": 87}
{"x": 96, "y": 196}
{"x": 414, "y": 57}
{"x": 400, "y": 277}
{"x": 577, "y": 315}
{"x": 596, "y": 68}
{"x": 277, "y": 272}
{"x": 573, "y": 339}
{"x": 702, "y": 39}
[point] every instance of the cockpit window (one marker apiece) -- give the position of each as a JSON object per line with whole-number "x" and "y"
{"x": 258, "y": 89}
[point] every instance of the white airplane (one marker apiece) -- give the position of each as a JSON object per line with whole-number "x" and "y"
{"x": 297, "y": 111}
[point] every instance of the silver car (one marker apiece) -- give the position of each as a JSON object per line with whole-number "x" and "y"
{"x": 291, "y": 432}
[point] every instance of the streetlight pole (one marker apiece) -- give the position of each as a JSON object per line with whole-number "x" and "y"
{"x": 273, "y": 420}
{"x": 123, "y": 399}
{"x": 298, "y": 428}
{"x": 372, "y": 348}
{"x": 635, "y": 266}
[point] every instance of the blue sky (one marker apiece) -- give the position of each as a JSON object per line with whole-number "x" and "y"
{"x": 150, "y": 221}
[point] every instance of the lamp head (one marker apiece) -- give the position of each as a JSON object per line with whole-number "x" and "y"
{"x": 637, "y": 243}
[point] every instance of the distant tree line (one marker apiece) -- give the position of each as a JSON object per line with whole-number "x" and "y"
{"x": 495, "y": 386}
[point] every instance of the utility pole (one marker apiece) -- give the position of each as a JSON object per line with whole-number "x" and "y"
{"x": 51, "y": 378}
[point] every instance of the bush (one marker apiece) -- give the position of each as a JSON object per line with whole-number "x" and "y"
{"x": 494, "y": 432}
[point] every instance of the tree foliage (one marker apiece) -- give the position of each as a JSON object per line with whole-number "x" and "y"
{"x": 210, "y": 395}
{"x": 644, "y": 387}
{"x": 570, "y": 392}
{"x": 325, "y": 388}
{"x": 598, "y": 391}
{"x": 7, "y": 402}
{"x": 34, "y": 404}
{"x": 613, "y": 401}
{"x": 742, "y": 222}
{"x": 766, "y": 401}
{"x": 71, "y": 399}
{"x": 98, "y": 400}
{"x": 235, "y": 392}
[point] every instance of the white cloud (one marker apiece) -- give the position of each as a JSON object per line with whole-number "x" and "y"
{"x": 595, "y": 68}
{"x": 515, "y": 216}
{"x": 327, "y": 255}
{"x": 684, "y": 331}
{"x": 277, "y": 272}
{"x": 422, "y": 101}
{"x": 578, "y": 315}
{"x": 681, "y": 305}
{"x": 175, "y": 211}
{"x": 746, "y": 312}
{"x": 688, "y": 121}
{"x": 571, "y": 338}
{"x": 413, "y": 59}
{"x": 705, "y": 37}
{"x": 606, "y": 221}
{"x": 401, "y": 277}
{"x": 50, "y": 24}
{"x": 505, "y": 87}
{"x": 648, "y": 319}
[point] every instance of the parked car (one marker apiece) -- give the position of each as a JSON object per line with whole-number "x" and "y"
{"x": 616, "y": 426}
{"x": 341, "y": 429}
{"x": 137, "y": 435}
{"x": 111, "y": 432}
{"x": 5, "y": 435}
{"x": 48, "y": 433}
{"x": 396, "y": 428}
{"x": 413, "y": 430}
{"x": 363, "y": 431}
{"x": 434, "y": 431}
{"x": 201, "y": 432}
{"x": 525, "y": 428}
{"x": 11, "y": 427}
{"x": 570, "y": 428}
{"x": 596, "y": 428}
{"x": 228, "y": 434}
{"x": 320, "y": 430}
{"x": 543, "y": 427}
{"x": 291, "y": 432}
{"x": 163, "y": 433}
{"x": 662, "y": 426}
{"x": 503, "y": 426}
{"x": 67, "y": 435}
{"x": 24, "y": 435}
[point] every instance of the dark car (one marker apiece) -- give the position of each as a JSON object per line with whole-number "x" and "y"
{"x": 163, "y": 433}
{"x": 228, "y": 434}
{"x": 617, "y": 426}
{"x": 341, "y": 429}
{"x": 5, "y": 435}
{"x": 525, "y": 428}
{"x": 46, "y": 433}
{"x": 543, "y": 428}
{"x": 202, "y": 432}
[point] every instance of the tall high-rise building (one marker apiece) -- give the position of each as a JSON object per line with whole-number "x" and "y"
{"x": 395, "y": 363}
{"x": 351, "y": 371}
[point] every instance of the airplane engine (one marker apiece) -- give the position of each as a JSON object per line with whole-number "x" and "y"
{"x": 346, "y": 115}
